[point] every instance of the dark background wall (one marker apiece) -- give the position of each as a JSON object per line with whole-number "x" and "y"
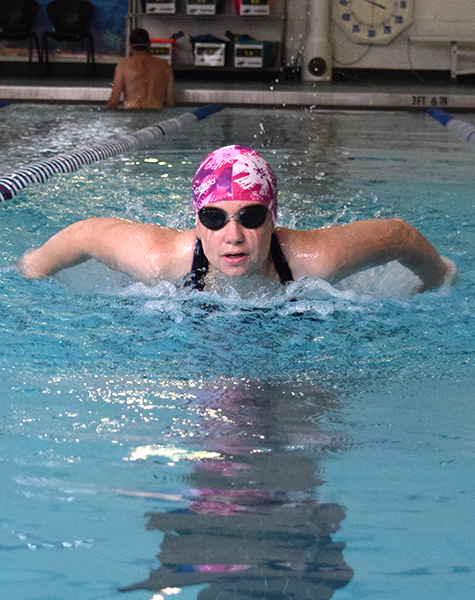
{"x": 108, "y": 25}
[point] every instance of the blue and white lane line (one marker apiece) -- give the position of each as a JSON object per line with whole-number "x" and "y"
{"x": 12, "y": 183}
{"x": 462, "y": 129}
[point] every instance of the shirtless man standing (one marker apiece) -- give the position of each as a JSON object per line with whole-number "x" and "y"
{"x": 235, "y": 203}
{"x": 144, "y": 80}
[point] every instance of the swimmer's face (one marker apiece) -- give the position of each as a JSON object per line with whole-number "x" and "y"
{"x": 235, "y": 250}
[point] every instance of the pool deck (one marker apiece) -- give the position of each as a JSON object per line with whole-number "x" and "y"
{"x": 317, "y": 95}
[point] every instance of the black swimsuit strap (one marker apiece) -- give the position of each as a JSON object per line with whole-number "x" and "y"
{"x": 280, "y": 262}
{"x": 199, "y": 268}
{"x": 200, "y": 265}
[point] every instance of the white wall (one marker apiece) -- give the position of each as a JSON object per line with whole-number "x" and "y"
{"x": 444, "y": 17}
{"x": 431, "y": 18}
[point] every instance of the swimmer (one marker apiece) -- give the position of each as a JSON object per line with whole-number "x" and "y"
{"x": 143, "y": 80}
{"x": 235, "y": 204}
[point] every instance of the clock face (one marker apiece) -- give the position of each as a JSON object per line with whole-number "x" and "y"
{"x": 373, "y": 21}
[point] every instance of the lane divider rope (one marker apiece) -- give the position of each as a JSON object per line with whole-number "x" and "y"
{"x": 14, "y": 182}
{"x": 462, "y": 129}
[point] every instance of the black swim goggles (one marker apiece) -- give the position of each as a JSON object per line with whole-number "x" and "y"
{"x": 250, "y": 217}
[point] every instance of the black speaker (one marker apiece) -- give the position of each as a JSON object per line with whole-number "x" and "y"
{"x": 317, "y": 67}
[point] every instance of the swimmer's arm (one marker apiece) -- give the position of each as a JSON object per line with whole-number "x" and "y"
{"x": 146, "y": 252}
{"x": 118, "y": 87}
{"x": 336, "y": 252}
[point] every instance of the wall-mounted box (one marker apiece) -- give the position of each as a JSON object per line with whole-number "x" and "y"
{"x": 208, "y": 54}
{"x": 252, "y": 7}
{"x": 256, "y": 55}
{"x": 162, "y": 7}
{"x": 162, "y": 49}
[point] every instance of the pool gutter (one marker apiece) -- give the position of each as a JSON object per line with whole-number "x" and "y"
{"x": 305, "y": 95}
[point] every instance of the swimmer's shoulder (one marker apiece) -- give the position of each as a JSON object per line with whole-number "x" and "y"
{"x": 300, "y": 248}
{"x": 297, "y": 238}
{"x": 172, "y": 239}
{"x": 147, "y": 251}
{"x": 170, "y": 251}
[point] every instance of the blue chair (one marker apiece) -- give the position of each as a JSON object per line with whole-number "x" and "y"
{"x": 71, "y": 20}
{"x": 17, "y": 18}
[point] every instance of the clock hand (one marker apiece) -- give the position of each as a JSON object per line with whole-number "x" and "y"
{"x": 375, "y": 4}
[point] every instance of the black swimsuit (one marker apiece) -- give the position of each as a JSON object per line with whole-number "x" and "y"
{"x": 200, "y": 265}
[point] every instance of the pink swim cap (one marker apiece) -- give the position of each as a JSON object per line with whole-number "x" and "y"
{"x": 235, "y": 173}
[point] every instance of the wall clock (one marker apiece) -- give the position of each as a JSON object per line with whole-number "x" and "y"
{"x": 372, "y": 21}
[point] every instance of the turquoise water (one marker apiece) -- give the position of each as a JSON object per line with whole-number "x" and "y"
{"x": 312, "y": 442}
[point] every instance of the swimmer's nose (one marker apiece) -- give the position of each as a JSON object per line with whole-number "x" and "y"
{"x": 234, "y": 233}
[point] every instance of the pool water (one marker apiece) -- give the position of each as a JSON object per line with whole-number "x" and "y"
{"x": 308, "y": 442}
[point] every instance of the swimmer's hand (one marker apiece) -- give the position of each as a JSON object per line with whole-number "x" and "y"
{"x": 25, "y": 265}
{"x": 449, "y": 279}
{"x": 451, "y": 271}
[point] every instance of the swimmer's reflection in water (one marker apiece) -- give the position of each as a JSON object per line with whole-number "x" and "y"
{"x": 253, "y": 528}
